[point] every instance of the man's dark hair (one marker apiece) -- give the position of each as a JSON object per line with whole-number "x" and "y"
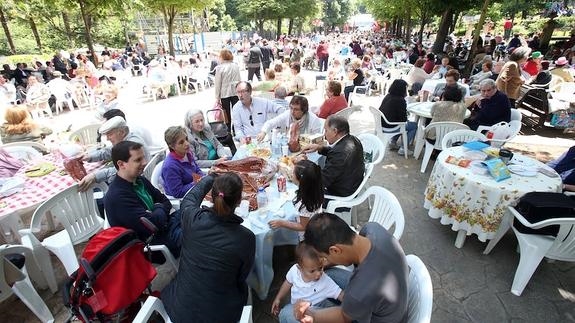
{"x": 114, "y": 113}
{"x": 121, "y": 151}
{"x": 339, "y": 123}
{"x": 452, "y": 93}
{"x": 301, "y": 101}
{"x": 325, "y": 230}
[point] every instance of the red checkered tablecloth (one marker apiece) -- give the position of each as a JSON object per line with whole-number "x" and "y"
{"x": 40, "y": 189}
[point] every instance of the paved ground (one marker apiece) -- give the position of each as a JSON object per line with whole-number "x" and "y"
{"x": 468, "y": 286}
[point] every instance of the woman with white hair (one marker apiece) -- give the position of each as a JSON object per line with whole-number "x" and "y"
{"x": 204, "y": 144}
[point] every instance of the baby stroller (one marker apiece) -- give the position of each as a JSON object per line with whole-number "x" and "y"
{"x": 217, "y": 119}
{"x": 114, "y": 276}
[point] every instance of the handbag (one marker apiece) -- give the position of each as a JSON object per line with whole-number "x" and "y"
{"x": 217, "y": 120}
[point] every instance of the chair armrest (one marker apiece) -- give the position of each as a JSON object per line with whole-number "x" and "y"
{"x": 167, "y": 254}
{"x": 540, "y": 224}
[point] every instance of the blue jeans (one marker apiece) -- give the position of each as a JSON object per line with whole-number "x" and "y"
{"x": 339, "y": 276}
{"x": 411, "y": 128}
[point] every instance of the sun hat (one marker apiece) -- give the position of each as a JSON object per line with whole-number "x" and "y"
{"x": 113, "y": 123}
{"x": 561, "y": 61}
{"x": 536, "y": 54}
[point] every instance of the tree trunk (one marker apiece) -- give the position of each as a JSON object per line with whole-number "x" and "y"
{"x": 290, "y": 26}
{"x": 422, "y": 27}
{"x": 260, "y": 23}
{"x": 279, "y": 28}
{"x": 34, "y": 29}
{"x": 88, "y": 31}
{"x": 69, "y": 35}
{"x": 546, "y": 34}
{"x": 446, "y": 19}
{"x": 476, "y": 33}
{"x": 7, "y": 32}
{"x": 408, "y": 26}
{"x": 454, "y": 22}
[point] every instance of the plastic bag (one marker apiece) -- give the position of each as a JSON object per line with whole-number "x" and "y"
{"x": 500, "y": 131}
{"x": 497, "y": 169}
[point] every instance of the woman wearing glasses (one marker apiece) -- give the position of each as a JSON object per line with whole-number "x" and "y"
{"x": 298, "y": 116}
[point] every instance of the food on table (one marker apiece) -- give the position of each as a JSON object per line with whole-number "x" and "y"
{"x": 264, "y": 153}
{"x": 255, "y": 172}
{"x": 40, "y": 169}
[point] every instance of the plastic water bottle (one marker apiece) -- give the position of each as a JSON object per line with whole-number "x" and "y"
{"x": 262, "y": 198}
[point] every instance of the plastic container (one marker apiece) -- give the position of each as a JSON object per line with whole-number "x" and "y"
{"x": 262, "y": 198}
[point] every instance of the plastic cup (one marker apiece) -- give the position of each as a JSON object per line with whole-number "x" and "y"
{"x": 285, "y": 150}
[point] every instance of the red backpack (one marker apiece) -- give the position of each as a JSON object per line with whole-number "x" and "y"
{"x": 114, "y": 273}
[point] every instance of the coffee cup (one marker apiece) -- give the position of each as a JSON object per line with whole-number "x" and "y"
{"x": 505, "y": 155}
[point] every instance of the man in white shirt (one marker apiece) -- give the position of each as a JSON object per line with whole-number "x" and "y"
{"x": 250, "y": 113}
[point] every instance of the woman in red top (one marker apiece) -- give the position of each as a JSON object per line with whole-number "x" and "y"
{"x": 429, "y": 63}
{"x": 322, "y": 53}
{"x": 533, "y": 65}
{"x": 334, "y": 102}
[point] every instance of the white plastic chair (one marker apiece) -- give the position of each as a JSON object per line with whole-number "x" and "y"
{"x": 156, "y": 180}
{"x": 151, "y": 165}
{"x": 386, "y": 209}
{"x": 516, "y": 115}
{"x": 441, "y": 129}
{"x": 387, "y": 133}
{"x": 420, "y": 291}
{"x": 461, "y": 135}
{"x": 333, "y": 198}
{"x": 36, "y": 145}
{"x": 359, "y": 90}
{"x": 22, "y": 287}
{"x": 87, "y": 135}
{"x": 533, "y": 247}
{"x": 372, "y": 144}
{"x": 23, "y": 153}
{"x": 154, "y": 304}
{"x": 77, "y": 213}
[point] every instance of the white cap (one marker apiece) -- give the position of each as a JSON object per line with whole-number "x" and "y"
{"x": 113, "y": 123}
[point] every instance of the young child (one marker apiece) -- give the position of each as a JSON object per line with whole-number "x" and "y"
{"x": 306, "y": 280}
{"x": 308, "y": 197}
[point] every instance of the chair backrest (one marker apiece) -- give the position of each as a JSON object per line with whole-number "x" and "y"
{"x": 386, "y": 209}
{"x": 516, "y": 115}
{"x": 151, "y": 306}
{"x": 373, "y": 146}
{"x": 156, "y": 178}
{"x": 420, "y": 291}
{"x": 461, "y": 135}
{"x": 5, "y": 288}
{"x": 87, "y": 135}
{"x": 347, "y": 112}
{"x": 442, "y": 129}
{"x": 149, "y": 169}
{"x": 36, "y": 145}
{"x": 75, "y": 210}
{"x": 23, "y": 153}
{"x": 366, "y": 176}
{"x": 563, "y": 247}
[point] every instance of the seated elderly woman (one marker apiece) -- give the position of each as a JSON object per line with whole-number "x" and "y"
{"x": 297, "y": 114}
{"x": 110, "y": 101}
{"x": 180, "y": 172}
{"x": 19, "y": 127}
{"x": 205, "y": 146}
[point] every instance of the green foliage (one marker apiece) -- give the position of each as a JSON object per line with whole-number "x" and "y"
{"x": 24, "y": 58}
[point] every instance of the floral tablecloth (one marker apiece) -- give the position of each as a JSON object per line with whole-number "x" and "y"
{"x": 474, "y": 202}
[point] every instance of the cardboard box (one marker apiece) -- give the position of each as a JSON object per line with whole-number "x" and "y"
{"x": 307, "y": 139}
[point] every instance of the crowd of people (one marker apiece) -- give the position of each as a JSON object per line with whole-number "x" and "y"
{"x": 216, "y": 252}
